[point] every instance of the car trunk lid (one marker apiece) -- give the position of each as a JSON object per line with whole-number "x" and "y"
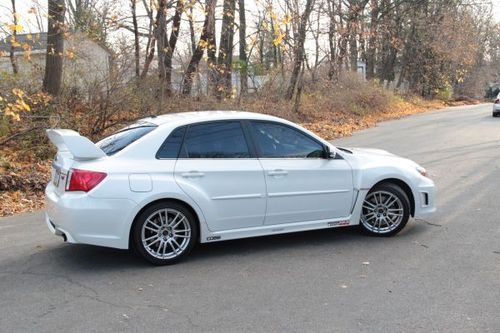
{"x": 72, "y": 148}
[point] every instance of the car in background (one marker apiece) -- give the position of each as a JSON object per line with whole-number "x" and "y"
{"x": 164, "y": 183}
{"x": 496, "y": 106}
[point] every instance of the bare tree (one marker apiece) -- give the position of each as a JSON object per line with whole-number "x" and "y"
{"x": 13, "y": 39}
{"x": 212, "y": 53}
{"x": 172, "y": 42}
{"x": 151, "y": 38}
{"x": 162, "y": 42}
{"x": 55, "y": 47}
{"x": 206, "y": 34}
{"x": 243, "y": 49}
{"x": 299, "y": 52}
{"x": 90, "y": 17}
{"x": 332, "y": 35}
{"x": 137, "y": 47}
{"x": 225, "y": 58}
{"x": 191, "y": 28}
{"x": 372, "y": 40}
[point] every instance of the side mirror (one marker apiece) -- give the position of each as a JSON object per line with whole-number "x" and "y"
{"x": 329, "y": 154}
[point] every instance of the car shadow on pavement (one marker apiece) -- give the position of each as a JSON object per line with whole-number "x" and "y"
{"x": 71, "y": 257}
{"x": 334, "y": 240}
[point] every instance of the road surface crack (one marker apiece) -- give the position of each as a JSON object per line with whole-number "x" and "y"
{"x": 429, "y": 223}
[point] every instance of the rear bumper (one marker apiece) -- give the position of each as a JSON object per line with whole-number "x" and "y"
{"x": 82, "y": 219}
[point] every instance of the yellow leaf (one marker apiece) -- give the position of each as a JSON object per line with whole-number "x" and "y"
{"x": 15, "y": 27}
{"x": 18, "y": 92}
{"x": 25, "y": 106}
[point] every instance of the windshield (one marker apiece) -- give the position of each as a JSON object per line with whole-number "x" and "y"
{"x": 121, "y": 139}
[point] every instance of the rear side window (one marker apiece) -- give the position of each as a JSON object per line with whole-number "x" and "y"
{"x": 172, "y": 146}
{"x": 121, "y": 139}
{"x": 216, "y": 140}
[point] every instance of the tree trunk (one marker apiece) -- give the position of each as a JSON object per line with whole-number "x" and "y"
{"x": 149, "y": 58}
{"x": 372, "y": 40}
{"x": 353, "y": 45}
{"x": 161, "y": 43}
{"x": 137, "y": 48}
{"x": 211, "y": 53}
{"x": 191, "y": 30}
{"x": 172, "y": 42}
{"x": 243, "y": 50}
{"x": 55, "y": 48}
{"x": 151, "y": 43}
{"x": 299, "y": 49}
{"x": 13, "y": 39}
{"x": 225, "y": 59}
{"x": 342, "y": 42}
{"x": 208, "y": 30}
{"x": 331, "y": 38}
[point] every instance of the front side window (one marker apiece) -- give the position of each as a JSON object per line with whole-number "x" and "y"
{"x": 216, "y": 140}
{"x": 279, "y": 141}
{"x": 123, "y": 138}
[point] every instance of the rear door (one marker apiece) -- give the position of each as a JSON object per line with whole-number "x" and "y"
{"x": 219, "y": 171}
{"x": 302, "y": 185}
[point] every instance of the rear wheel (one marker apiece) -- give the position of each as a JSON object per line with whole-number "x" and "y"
{"x": 164, "y": 233}
{"x": 385, "y": 211}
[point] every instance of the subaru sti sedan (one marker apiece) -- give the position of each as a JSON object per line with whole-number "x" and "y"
{"x": 164, "y": 183}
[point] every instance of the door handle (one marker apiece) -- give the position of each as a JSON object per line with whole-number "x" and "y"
{"x": 193, "y": 174}
{"x": 278, "y": 172}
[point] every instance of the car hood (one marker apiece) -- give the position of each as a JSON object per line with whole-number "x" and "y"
{"x": 370, "y": 156}
{"x": 370, "y": 152}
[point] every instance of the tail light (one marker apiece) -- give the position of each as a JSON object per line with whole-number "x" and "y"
{"x": 497, "y": 101}
{"x": 84, "y": 180}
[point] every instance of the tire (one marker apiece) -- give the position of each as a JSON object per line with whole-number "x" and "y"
{"x": 385, "y": 211}
{"x": 164, "y": 233}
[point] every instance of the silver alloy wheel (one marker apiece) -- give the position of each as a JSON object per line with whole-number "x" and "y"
{"x": 382, "y": 212}
{"x": 166, "y": 233}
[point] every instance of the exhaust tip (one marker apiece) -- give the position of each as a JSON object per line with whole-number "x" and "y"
{"x": 65, "y": 239}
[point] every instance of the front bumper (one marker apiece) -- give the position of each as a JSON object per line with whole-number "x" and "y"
{"x": 425, "y": 198}
{"x": 83, "y": 219}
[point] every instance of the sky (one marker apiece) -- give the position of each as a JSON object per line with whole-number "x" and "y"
{"x": 496, "y": 10}
{"x": 29, "y": 21}
{"x": 31, "y": 24}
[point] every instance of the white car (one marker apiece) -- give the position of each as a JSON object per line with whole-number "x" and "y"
{"x": 496, "y": 106}
{"x": 167, "y": 182}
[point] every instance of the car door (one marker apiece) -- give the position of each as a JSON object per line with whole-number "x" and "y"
{"x": 218, "y": 170}
{"x": 302, "y": 184}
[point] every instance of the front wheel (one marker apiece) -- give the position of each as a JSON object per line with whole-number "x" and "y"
{"x": 164, "y": 233}
{"x": 385, "y": 211}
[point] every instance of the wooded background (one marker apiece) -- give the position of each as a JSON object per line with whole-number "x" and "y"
{"x": 425, "y": 46}
{"x": 165, "y": 54}
{"x": 334, "y": 66}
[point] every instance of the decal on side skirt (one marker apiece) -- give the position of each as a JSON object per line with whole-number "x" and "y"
{"x": 339, "y": 223}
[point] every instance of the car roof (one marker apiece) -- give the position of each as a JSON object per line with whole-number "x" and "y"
{"x": 183, "y": 118}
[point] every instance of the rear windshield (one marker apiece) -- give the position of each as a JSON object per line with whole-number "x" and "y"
{"x": 121, "y": 139}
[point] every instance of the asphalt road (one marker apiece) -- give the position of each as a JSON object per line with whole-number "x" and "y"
{"x": 439, "y": 275}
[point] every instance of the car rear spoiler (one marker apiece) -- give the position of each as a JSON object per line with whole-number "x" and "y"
{"x": 79, "y": 146}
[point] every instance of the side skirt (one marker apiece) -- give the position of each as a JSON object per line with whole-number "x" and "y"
{"x": 284, "y": 228}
